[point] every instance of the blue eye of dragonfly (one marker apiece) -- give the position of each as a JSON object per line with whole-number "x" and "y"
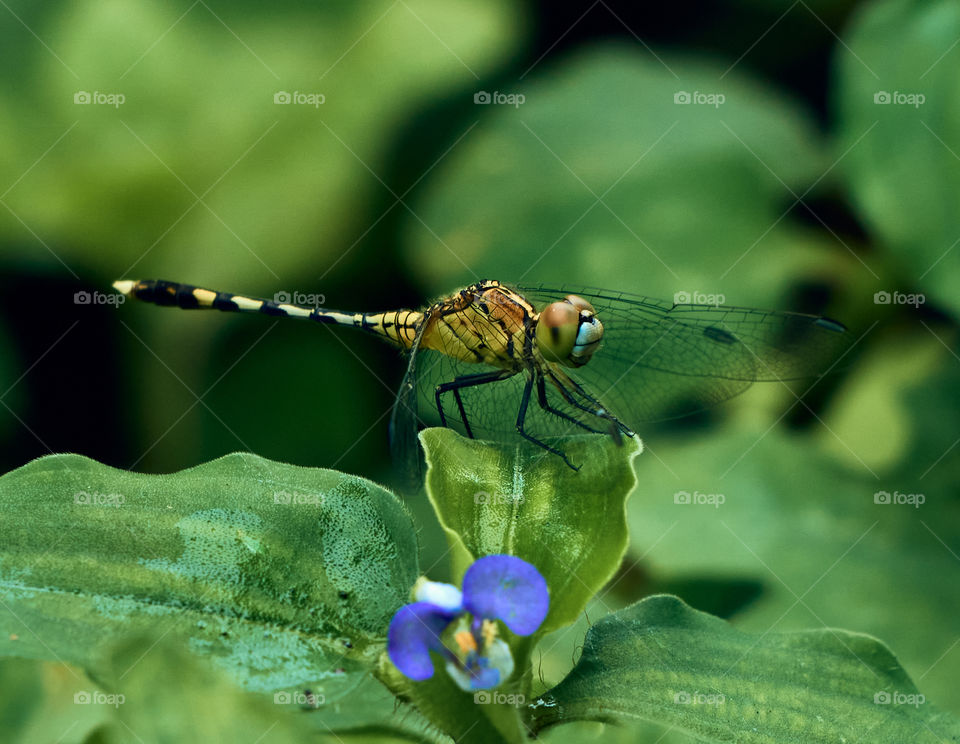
{"x": 497, "y": 361}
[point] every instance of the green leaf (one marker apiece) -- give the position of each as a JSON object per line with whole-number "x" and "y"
{"x": 285, "y": 576}
{"x": 901, "y": 154}
{"x": 660, "y": 660}
{"x": 522, "y": 501}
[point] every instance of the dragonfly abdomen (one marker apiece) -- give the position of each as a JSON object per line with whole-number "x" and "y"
{"x": 398, "y": 326}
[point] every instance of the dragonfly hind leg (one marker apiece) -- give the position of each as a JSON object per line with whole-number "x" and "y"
{"x": 458, "y": 384}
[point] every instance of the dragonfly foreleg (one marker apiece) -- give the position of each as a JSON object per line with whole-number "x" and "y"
{"x": 545, "y": 405}
{"x": 617, "y": 427}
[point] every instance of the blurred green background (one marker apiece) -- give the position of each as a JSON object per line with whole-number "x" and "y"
{"x": 816, "y": 164}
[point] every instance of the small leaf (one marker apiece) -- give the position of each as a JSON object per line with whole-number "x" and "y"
{"x": 286, "y": 576}
{"x": 659, "y": 660}
{"x": 525, "y": 502}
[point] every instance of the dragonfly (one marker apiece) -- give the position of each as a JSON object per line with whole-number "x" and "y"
{"x": 497, "y": 361}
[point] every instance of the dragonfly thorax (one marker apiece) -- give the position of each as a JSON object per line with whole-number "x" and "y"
{"x": 569, "y": 332}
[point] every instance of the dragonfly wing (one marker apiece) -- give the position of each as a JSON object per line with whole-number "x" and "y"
{"x": 661, "y": 360}
{"x": 404, "y": 445}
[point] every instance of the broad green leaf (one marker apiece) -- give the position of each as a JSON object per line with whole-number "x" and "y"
{"x": 525, "y": 502}
{"x": 518, "y": 200}
{"x": 898, "y": 96}
{"x": 660, "y": 660}
{"x": 285, "y": 576}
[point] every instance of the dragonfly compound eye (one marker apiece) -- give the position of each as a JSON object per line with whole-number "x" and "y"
{"x": 581, "y": 304}
{"x": 568, "y": 332}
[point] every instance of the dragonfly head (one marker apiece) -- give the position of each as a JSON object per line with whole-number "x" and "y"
{"x": 568, "y": 332}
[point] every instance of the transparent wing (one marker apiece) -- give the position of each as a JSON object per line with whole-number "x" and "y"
{"x": 405, "y": 420}
{"x": 660, "y": 360}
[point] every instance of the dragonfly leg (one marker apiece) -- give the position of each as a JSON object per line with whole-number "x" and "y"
{"x": 521, "y": 418}
{"x": 545, "y": 405}
{"x": 617, "y": 427}
{"x": 465, "y": 381}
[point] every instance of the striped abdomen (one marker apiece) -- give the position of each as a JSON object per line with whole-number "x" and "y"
{"x": 398, "y": 326}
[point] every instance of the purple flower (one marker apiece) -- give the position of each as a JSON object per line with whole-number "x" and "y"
{"x": 461, "y": 626}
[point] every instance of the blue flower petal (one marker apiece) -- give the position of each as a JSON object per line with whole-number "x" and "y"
{"x": 509, "y": 589}
{"x": 438, "y": 593}
{"x": 415, "y": 632}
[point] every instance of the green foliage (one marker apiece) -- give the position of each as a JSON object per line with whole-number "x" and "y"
{"x": 660, "y": 660}
{"x": 286, "y": 576}
{"x": 197, "y": 596}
